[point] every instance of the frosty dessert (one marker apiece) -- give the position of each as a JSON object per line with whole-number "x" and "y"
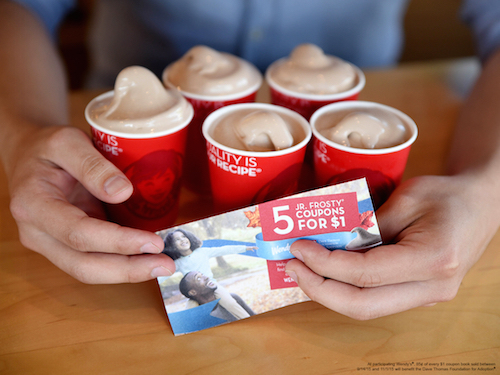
{"x": 309, "y": 71}
{"x": 354, "y": 139}
{"x": 255, "y": 153}
{"x": 257, "y": 130}
{"x": 141, "y": 127}
{"x": 140, "y": 104}
{"x": 368, "y": 128}
{"x": 207, "y": 72}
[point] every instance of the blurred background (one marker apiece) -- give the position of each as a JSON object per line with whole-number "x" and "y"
{"x": 433, "y": 31}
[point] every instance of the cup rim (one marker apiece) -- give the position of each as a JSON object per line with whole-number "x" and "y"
{"x": 359, "y": 104}
{"x": 212, "y": 98}
{"x": 316, "y": 97}
{"x": 125, "y": 135}
{"x": 262, "y": 154}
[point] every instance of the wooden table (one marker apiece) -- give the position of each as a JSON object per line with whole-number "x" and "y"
{"x": 53, "y": 324}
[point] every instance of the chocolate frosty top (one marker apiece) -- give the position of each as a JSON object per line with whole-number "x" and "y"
{"x": 139, "y": 104}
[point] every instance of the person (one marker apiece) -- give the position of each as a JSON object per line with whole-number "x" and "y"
{"x": 201, "y": 289}
{"x": 188, "y": 254}
{"x": 157, "y": 176}
{"x": 435, "y": 227}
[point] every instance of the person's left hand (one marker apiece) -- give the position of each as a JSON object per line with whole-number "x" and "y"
{"x": 57, "y": 181}
{"x": 435, "y": 229}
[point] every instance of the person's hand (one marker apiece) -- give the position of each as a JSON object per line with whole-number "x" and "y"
{"x": 57, "y": 180}
{"x": 435, "y": 228}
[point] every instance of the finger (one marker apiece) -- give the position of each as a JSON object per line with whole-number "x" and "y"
{"x": 73, "y": 151}
{"x": 50, "y": 213}
{"x": 409, "y": 203}
{"x": 394, "y": 216}
{"x": 383, "y": 265}
{"x": 360, "y": 303}
{"x": 99, "y": 268}
{"x": 75, "y": 229}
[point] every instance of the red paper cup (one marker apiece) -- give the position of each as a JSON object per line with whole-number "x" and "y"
{"x": 383, "y": 168}
{"x": 242, "y": 178}
{"x": 153, "y": 163}
{"x": 307, "y": 104}
{"x": 196, "y": 175}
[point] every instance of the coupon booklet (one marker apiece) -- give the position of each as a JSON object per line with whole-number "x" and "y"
{"x": 232, "y": 266}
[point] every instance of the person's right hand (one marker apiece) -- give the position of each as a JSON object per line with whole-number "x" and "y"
{"x": 435, "y": 228}
{"x": 57, "y": 180}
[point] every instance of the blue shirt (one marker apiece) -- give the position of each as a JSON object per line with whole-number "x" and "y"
{"x": 483, "y": 17}
{"x": 153, "y": 33}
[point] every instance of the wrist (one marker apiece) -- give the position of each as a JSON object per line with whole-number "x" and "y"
{"x": 479, "y": 189}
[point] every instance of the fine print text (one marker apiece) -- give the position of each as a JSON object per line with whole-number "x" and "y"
{"x": 430, "y": 366}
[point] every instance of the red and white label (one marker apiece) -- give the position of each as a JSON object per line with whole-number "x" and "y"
{"x": 306, "y": 216}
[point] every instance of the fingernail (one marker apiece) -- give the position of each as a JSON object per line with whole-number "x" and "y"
{"x": 298, "y": 255}
{"x": 292, "y": 274}
{"x": 160, "y": 271}
{"x": 115, "y": 185}
{"x": 150, "y": 248}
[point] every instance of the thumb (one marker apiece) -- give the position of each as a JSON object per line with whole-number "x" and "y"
{"x": 72, "y": 150}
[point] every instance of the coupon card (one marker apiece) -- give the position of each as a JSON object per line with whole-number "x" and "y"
{"x": 232, "y": 266}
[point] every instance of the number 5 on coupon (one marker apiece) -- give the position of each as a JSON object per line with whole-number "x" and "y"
{"x": 277, "y": 218}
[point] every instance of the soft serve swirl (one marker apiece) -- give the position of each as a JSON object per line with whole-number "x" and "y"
{"x": 367, "y": 129}
{"x": 309, "y": 70}
{"x": 140, "y": 104}
{"x": 205, "y": 71}
{"x": 257, "y": 130}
